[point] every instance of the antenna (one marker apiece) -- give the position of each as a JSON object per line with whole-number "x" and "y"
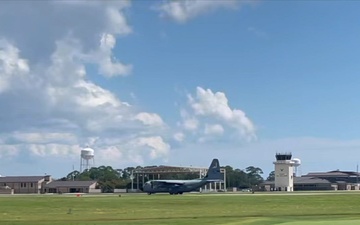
{"x": 357, "y": 173}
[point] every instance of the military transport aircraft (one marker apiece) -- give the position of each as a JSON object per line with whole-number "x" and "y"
{"x": 181, "y": 186}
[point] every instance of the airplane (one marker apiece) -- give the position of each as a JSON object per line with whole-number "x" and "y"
{"x": 181, "y": 186}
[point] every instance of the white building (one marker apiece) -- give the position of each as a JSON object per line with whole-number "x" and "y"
{"x": 284, "y": 172}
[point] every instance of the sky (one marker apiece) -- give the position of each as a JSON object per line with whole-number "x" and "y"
{"x": 178, "y": 83}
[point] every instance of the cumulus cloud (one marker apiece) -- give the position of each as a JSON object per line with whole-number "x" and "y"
{"x": 108, "y": 65}
{"x": 207, "y": 106}
{"x": 43, "y": 138}
{"x": 8, "y": 151}
{"x": 215, "y": 129}
{"x": 184, "y": 10}
{"x": 179, "y": 136}
{"x": 149, "y": 119}
{"x": 156, "y": 145}
{"x": 191, "y": 124}
{"x": 11, "y": 66}
{"x": 101, "y": 21}
{"x": 52, "y": 149}
{"x": 52, "y": 107}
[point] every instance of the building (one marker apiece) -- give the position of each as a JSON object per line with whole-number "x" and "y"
{"x": 284, "y": 172}
{"x": 23, "y": 184}
{"x": 302, "y": 184}
{"x": 71, "y": 187}
{"x": 340, "y": 180}
{"x": 44, "y": 184}
{"x": 286, "y": 178}
{"x": 155, "y": 172}
{"x": 336, "y": 176}
{"x": 332, "y": 180}
{"x": 312, "y": 184}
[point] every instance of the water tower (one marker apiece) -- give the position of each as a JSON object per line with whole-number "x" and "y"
{"x": 87, "y": 159}
{"x": 284, "y": 172}
{"x": 297, "y": 163}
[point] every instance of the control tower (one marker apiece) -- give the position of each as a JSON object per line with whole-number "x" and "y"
{"x": 284, "y": 172}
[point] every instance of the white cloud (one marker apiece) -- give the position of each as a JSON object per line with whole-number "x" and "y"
{"x": 98, "y": 19}
{"x": 179, "y": 136}
{"x": 191, "y": 124}
{"x": 158, "y": 148}
{"x": 109, "y": 66}
{"x": 184, "y": 10}
{"x": 118, "y": 23}
{"x": 215, "y": 129}
{"x": 11, "y": 66}
{"x": 8, "y": 151}
{"x": 52, "y": 107}
{"x": 52, "y": 149}
{"x": 48, "y": 137}
{"x": 208, "y": 105}
{"x": 110, "y": 154}
{"x": 149, "y": 119}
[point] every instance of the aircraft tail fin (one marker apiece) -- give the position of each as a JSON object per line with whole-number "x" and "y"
{"x": 214, "y": 171}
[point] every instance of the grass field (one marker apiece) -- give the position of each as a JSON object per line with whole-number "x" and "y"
{"x": 231, "y": 209}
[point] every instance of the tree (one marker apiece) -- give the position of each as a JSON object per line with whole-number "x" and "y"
{"x": 271, "y": 176}
{"x": 127, "y": 172}
{"x": 254, "y": 175}
{"x": 73, "y": 175}
{"x": 236, "y": 177}
{"x": 229, "y": 176}
{"x": 108, "y": 178}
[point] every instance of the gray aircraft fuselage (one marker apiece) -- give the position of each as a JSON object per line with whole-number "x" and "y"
{"x": 158, "y": 186}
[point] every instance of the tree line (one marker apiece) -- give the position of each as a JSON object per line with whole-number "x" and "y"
{"x": 109, "y": 178}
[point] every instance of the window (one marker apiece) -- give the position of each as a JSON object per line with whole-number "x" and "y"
{"x": 31, "y": 185}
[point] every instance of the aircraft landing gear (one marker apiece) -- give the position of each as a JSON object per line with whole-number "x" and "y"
{"x": 149, "y": 193}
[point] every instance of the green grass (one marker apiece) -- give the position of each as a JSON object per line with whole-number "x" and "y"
{"x": 252, "y": 209}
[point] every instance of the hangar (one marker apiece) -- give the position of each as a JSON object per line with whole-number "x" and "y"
{"x": 141, "y": 175}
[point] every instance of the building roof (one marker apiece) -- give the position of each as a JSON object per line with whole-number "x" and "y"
{"x": 303, "y": 180}
{"x": 59, "y": 183}
{"x": 20, "y": 179}
{"x": 335, "y": 173}
{"x": 310, "y": 180}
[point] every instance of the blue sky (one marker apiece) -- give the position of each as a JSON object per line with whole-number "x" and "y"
{"x": 178, "y": 83}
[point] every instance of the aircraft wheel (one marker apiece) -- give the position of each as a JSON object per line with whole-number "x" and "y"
{"x": 180, "y": 193}
{"x": 149, "y": 193}
{"x": 171, "y": 193}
